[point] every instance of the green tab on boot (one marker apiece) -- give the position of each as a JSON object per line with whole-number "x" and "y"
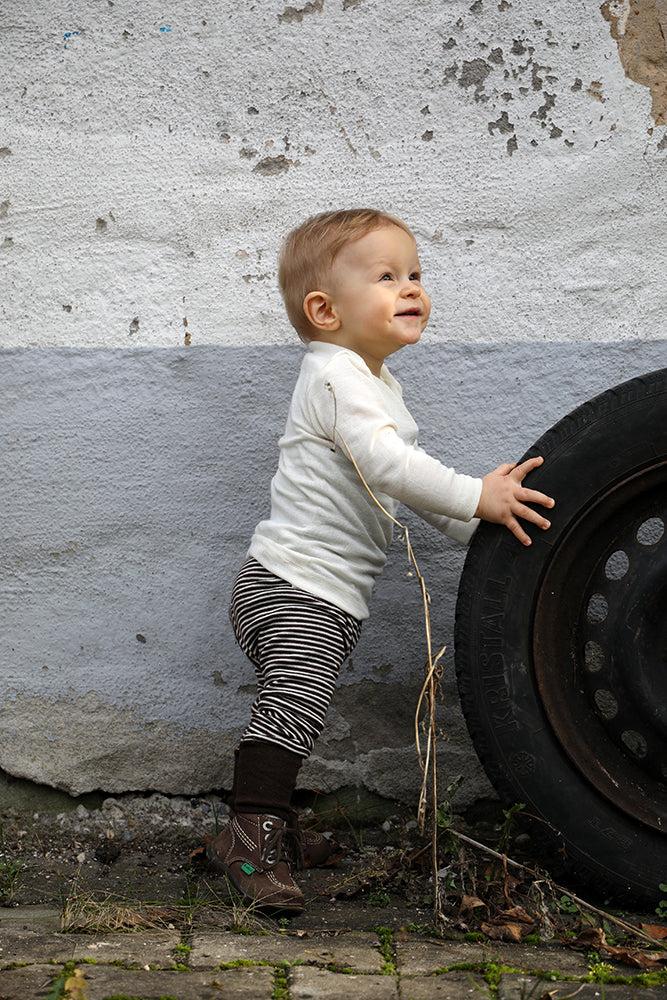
{"x": 248, "y": 868}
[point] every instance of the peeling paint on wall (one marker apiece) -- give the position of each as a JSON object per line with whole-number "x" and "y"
{"x": 298, "y": 14}
{"x": 638, "y": 27}
{"x": 272, "y": 165}
{"x": 526, "y": 72}
{"x": 140, "y": 158}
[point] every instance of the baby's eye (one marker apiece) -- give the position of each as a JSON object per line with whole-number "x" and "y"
{"x": 416, "y": 276}
{"x": 387, "y": 276}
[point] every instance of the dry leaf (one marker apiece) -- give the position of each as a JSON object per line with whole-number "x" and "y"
{"x": 509, "y": 925}
{"x": 469, "y": 904}
{"x": 637, "y": 958}
{"x": 516, "y": 914}
{"x": 75, "y": 986}
{"x": 505, "y": 932}
{"x": 654, "y": 931}
{"x": 590, "y": 939}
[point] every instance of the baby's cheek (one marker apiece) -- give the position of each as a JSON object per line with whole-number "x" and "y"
{"x": 427, "y": 305}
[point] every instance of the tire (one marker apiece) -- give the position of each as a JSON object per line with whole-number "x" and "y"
{"x": 561, "y": 647}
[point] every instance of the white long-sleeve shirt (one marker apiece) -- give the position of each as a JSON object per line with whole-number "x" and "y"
{"x": 325, "y": 533}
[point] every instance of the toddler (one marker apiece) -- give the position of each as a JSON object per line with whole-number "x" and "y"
{"x": 351, "y": 282}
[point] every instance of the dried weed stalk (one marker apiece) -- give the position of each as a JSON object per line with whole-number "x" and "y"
{"x": 425, "y": 711}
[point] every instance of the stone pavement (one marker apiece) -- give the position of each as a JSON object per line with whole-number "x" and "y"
{"x": 38, "y": 962}
{"x": 366, "y": 932}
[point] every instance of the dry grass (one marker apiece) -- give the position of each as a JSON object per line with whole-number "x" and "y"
{"x": 85, "y": 913}
{"x": 90, "y": 913}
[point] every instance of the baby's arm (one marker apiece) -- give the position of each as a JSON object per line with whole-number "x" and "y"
{"x": 459, "y": 531}
{"x": 504, "y": 498}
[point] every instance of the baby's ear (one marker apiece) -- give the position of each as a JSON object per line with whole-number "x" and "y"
{"x": 320, "y": 311}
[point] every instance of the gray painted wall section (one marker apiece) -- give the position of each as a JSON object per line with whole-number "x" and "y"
{"x": 131, "y": 481}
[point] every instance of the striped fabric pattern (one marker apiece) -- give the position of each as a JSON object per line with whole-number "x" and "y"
{"x": 297, "y": 644}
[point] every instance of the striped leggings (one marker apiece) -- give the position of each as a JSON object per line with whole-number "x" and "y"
{"x": 297, "y": 644}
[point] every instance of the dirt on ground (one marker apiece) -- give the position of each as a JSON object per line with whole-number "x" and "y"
{"x": 138, "y": 861}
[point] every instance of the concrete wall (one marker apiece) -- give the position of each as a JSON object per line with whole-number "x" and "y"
{"x": 151, "y": 158}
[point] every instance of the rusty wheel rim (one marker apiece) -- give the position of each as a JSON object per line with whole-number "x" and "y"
{"x": 600, "y": 644}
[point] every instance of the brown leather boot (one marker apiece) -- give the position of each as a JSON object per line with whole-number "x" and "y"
{"x": 308, "y": 848}
{"x": 264, "y": 778}
{"x": 250, "y": 851}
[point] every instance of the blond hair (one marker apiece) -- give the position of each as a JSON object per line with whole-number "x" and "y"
{"x": 308, "y": 252}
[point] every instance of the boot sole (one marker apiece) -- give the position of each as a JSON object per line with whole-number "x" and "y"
{"x": 269, "y": 908}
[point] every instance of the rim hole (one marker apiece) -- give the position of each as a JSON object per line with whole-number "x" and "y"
{"x": 606, "y": 703}
{"x": 635, "y": 743}
{"x": 651, "y": 531}
{"x": 617, "y": 565}
{"x": 593, "y": 657}
{"x": 597, "y": 609}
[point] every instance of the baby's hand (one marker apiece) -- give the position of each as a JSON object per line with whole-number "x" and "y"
{"x": 504, "y": 499}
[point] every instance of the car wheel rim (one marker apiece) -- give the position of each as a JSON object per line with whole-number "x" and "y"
{"x": 600, "y": 644}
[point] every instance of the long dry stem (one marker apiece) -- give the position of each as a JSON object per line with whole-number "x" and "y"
{"x": 427, "y": 696}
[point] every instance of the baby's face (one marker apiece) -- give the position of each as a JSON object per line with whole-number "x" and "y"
{"x": 376, "y": 291}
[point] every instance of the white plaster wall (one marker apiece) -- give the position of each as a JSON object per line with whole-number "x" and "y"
{"x": 157, "y": 156}
{"x": 151, "y": 158}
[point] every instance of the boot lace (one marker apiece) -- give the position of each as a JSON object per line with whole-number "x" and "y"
{"x": 274, "y": 848}
{"x": 294, "y": 845}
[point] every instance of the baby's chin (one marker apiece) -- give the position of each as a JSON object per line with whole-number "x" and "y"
{"x": 415, "y": 335}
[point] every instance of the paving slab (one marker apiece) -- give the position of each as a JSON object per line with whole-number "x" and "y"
{"x": 235, "y": 984}
{"x": 137, "y": 948}
{"x": 21, "y": 947}
{"x": 320, "y": 984}
{"x": 415, "y": 956}
{"x": 421, "y": 956}
{"x": 447, "y": 986}
{"x": 46, "y": 918}
{"x": 356, "y": 950}
{"x": 31, "y": 983}
{"x": 513, "y": 988}
{"x": 539, "y": 958}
